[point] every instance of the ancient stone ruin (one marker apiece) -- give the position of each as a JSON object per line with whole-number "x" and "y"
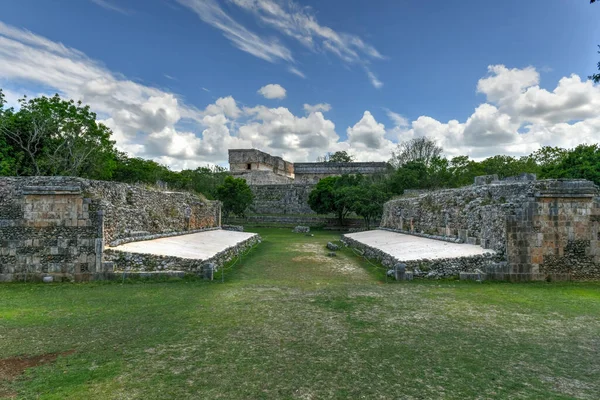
{"x": 540, "y": 229}
{"x": 59, "y": 226}
{"x": 282, "y": 187}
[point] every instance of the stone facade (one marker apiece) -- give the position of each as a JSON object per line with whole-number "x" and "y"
{"x": 281, "y": 199}
{"x": 547, "y": 226}
{"x": 313, "y": 172}
{"x": 59, "y": 225}
{"x": 247, "y": 161}
{"x": 48, "y": 230}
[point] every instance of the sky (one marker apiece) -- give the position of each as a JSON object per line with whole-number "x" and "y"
{"x": 183, "y": 81}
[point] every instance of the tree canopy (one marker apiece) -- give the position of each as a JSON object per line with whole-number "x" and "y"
{"x": 236, "y": 196}
{"x": 338, "y": 156}
{"x": 342, "y": 195}
{"x": 420, "y": 149}
{"x": 52, "y": 136}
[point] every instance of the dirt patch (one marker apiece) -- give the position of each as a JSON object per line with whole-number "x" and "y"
{"x": 316, "y": 252}
{"x": 12, "y": 368}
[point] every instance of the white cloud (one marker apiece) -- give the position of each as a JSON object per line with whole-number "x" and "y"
{"x": 281, "y": 132}
{"x": 296, "y": 72}
{"x": 291, "y": 20}
{"x": 210, "y": 12}
{"x": 377, "y": 84}
{"x": 224, "y": 105}
{"x": 367, "y": 132}
{"x": 323, "y": 107}
{"x": 110, "y": 6}
{"x": 366, "y": 139}
{"x": 272, "y": 91}
{"x": 397, "y": 119}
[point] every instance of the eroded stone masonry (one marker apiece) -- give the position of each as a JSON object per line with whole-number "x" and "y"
{"x": 60, "y": 225}
{"x": 282, "y": 187}
{"x": 538, "y": 226}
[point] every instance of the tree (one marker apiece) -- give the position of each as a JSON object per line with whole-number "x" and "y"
{"x": 583, "y": 162}
{"x": 52, "y": 136}
{"x": 328, "y": 195}
{"x": 338, "y": 156}
{"x": 365, "y": 201}
{"x": 421, "y": 149}
{"x": 505, "y": 166}
{"x": 411, "y": 175}
{"x": 7, "y": 161}
{"x": 236, "y": 196}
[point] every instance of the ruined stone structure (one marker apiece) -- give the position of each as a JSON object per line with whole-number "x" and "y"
{"x": 60, "y": 225}
{"x": 260, "y": 168}
{"x": 282, "y": 187}
{"x": 311, "y": 173}
{"x": 538, "y": 227}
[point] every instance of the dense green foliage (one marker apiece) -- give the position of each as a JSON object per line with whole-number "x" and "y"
{"x": 342, "y": 195}
{"x": 236, "y": 196}
{"x": 583, "y": 162}
{"x": 51, "y": 136}
{"x": 340, "y": 156}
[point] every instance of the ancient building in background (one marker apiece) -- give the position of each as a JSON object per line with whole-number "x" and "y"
{"x": 282, "y": 187}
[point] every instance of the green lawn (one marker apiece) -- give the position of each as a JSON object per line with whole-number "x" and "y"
{"x": 291, "y": 323}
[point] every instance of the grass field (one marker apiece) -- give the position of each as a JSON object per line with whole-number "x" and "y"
{"x": 291, "y": 323}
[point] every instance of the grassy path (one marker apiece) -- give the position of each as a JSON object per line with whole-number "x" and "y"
{"x": 291, "y": 323}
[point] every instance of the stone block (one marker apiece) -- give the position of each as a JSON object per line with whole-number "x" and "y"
{"x": 472, "y": 240}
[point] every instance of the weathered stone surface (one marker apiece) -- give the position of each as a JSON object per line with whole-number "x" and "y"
{"x": 58, "y": 226}
{"x": 539, "y": 227}
{"x": 234, "y": 228}
{"x": 301, "y": 229}
{"x": 313, "y": 172}
{"x": 281, "y": 199}
{"x": 332, "y": 247}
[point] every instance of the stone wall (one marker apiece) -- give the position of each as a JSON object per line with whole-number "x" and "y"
{"x": 263, "y": 178}
{"x": 547, "y": 226}
{"x": 313, "y": 172}
{"x": 281, "y": 199}
{"x": 131, "y": 210}
{"x": 59, "y": 225}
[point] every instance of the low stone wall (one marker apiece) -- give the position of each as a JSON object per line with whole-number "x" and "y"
{"x": 138, "y": 262}
{"x": 539, "y": 227}
{"x": 426, "y": 268}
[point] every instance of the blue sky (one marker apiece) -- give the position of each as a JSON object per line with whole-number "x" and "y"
{"x": 179, "y": 80}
